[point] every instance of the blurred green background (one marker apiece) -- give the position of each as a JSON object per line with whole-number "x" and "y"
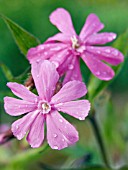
{"x": 34, "y": 17}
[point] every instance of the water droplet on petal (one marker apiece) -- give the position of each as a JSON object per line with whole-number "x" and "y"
{"x": 55, "y": 147}
{"x": 38, "y": 60}
{"x": 42, "y": 47}
{"x": 63, "y": 140}
{"x": 80, "y": 118}
{"x": 98, "y": 52}
{"x": 70, "y": 67}
{"x": 36, "y": 100}
{"x": 107, "y": 50}
{"x": 104, "y": 73}
{"x": 97, "y": 73}
{"x": 37, "y": 76}
{"x": 55, "y": 135}
{"x": 115, "y": 52}
{"x": 45, "y": 53}
{"x": 17, "y": 127}
{"x": 61, "y": 120}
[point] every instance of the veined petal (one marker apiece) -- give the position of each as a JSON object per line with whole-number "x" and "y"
{"x": 21, "y": 126}
{"x": 63, "y": 68}
{"x": 98, "y": 68}
{"x": 44, "y": 51}
{"x": 36, "y": 133}
{"x": 59, "y": 58}
{"x": 59, "y": 37}
{"x": 22, "y": 92}
{"x": 46, "y": 79}
{"x": 100, "y": 38}
{"x": 108, "y": 54}
{"x": 78, "y": 109}
{"x": 16, "y": 107}
{"x": 60, "y": 133}
{"x": 73, "y": 72}
{"x": 70, "y": 91}
{"x": 91, "y": 26}
{"x": 62, "y": 20}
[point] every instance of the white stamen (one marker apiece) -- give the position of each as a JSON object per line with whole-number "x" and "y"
{"x": 75, "y": 43}
{"x": 46, "y": 108}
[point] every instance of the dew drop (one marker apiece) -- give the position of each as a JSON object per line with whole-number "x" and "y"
{"x": 98, "y": 52}
{"x": 61, "y": 120}
{"x": 38, "y": 60}
{"x": 108, "y": 50}
{"x": 17, "y": 127}
{"x": 37, "y": 76}
{"x": 80, "y": 118}
{"x": 115, "y": 52}
{"x": 63, "y": 140}
{"x": 45, "y": 53}
{"x": 42, "y": 47}
{"x": 70, "y": 67}
{"x": 36, "y": 100}
{"x": 55, "y": 147}
{"x": 55, "y": 135}
{"x": 97, "y": 73}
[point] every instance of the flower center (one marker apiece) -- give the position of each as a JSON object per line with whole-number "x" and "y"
{"x": 75, "y": 42}
{"x": 44, "y": 107}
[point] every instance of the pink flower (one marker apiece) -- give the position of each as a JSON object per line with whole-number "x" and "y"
{"x": 45, "y": 107}
{"x": 66, "y": 48}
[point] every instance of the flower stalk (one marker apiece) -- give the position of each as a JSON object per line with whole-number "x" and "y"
{"x": 99, "y": 138}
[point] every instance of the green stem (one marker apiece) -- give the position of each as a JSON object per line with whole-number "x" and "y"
{"x": 99, "y": 138}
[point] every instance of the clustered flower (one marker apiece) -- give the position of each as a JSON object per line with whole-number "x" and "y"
{"x": 59, "y": 56}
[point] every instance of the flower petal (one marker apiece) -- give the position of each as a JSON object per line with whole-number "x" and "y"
{"x": 60, "y": 133}
{"x": 46, "y": 79}
{"x": 70, "y": 91}
{"x": 98, "y": 68}
{"x": 62, "y": 20}
{"x": 108, "y": 54}
{"x": 100, "y": 38}
{"x": 36, "y": 133}
{"x": 59, "y": 57}
{"x": 16, "y": 107}
{"x": 22, "y": 92}
{"x": 20, "y": 127}
{"x": 59, "y": 37}
{"x": 78, "y": 109}
{"x": 44, "y": 51}
{"x": 91, "y": 26}
{"x": 63, "y": 68}
{"x": 73, "y": 72}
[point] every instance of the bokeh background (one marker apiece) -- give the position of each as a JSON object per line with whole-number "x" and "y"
{"x": 113, "y": 113}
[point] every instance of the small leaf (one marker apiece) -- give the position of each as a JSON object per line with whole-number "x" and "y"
{"x": 23, "y": 39}
{"x": 7, "y": 72}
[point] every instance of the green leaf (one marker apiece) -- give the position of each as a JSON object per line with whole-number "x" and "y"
{"x": 23, "y": 39}
{"x": 95, "y": 85}
{"x": 7, "y": 72}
